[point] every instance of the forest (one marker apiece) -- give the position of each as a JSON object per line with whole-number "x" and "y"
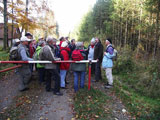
{"x": 134, "y": 27}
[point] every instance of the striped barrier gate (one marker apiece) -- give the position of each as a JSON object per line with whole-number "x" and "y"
{"x": 65, "y": 61}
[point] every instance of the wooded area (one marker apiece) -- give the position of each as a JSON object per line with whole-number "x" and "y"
{"x": 128, "y": 22}
{"x": 26, "y": 15}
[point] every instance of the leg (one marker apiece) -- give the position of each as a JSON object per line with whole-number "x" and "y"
{"x": 41, "y": 73}
{"x": 109, "y": 77}
{"x": 63, "y": 76}
{"x": 82, "y": 79}
{"x": 76, "y": 81}
{"x": 57, "y": 79}
{"x": 98, "y": 71}
{"x": 48, "y": 79}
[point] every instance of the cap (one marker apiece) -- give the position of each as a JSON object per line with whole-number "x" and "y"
{"x": 24, "y": 38}
{"x": 17, "y": 40}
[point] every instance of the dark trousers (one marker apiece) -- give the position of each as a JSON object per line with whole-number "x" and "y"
{"x": 52, "y": 74}
{"x": 41, "y": 72}
{"x": 98, "y": 71}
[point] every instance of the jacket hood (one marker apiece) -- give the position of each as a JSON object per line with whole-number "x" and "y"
{"x": 65, "y": 48}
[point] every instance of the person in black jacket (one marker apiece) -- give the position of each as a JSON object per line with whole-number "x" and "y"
{"x": 98, "y": 55}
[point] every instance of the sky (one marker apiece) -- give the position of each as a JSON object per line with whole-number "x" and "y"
{"x": 68, "y": 13}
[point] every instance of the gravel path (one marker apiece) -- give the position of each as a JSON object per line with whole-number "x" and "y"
{"x": 41, "y": 105}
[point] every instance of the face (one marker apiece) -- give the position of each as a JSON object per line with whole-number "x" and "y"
{"x": 73, "y": 42}
{"x": 25, "y": 42}
{"x": 107, "y": 42}
{"x": 92, "y": 43}
{"x": 54, "y": 43}
{"x": 97, "y": 40}
{"x": 29, "y": 37}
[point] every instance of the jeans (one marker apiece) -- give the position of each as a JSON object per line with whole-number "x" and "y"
{"x": 76, "y": 78}
{"x": 63, "y": 76}
{"x": 50, "y": 75}
{"x": 98, "y": 71}
{"x": 41, "y": 72}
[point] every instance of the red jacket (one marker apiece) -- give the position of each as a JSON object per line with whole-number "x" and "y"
{"x": 31, "y": 50}
{"x": 65, "y": 53}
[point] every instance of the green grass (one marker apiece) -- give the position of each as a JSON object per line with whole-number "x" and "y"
{"x": 4, "y": 56}
{"x": 140, "y": 106}
{"x": 91, "y": 105}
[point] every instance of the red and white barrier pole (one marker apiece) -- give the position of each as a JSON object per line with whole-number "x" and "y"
{"x": 11, "y": 68}
{"x": 65, "y": 61}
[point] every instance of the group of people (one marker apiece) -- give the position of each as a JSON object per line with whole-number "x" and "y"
{"x": 52, "y": 50}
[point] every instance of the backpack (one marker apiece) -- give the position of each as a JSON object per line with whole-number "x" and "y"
{"x": 77, "y": 55}
{"x": 13, "y": 54}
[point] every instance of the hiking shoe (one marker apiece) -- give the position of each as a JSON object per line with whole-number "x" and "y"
{"x": 58, "y": 93}
{"x": 108, "y": 86}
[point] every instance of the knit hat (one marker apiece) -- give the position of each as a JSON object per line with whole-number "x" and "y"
{"x": 108, "y": 39}
{"x": 93, "y": 40}
{"x": 64, "y": 44}
{"x": 41, "y": 42}
{"x": 24, "y": 38}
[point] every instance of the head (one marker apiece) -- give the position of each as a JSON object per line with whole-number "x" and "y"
{"x": 24, "y": 40}
{"x": 73, "y": 41}
{"x": 93, "y": 41}
{"x": 67, "y": 38}
{"x": 79, "y": 45}
{"x": 108, "y": 41}
{"x": 17, "y": 41}
{"x": 54, "y": 41}
{"x": 62, "y": 39}
{"x": 29, "y": 35}
{"x": 97, "y": 40}
{"x": 50, "y": 40}
{"x": 64, "y": 44}
{"x": 41, "y": 43}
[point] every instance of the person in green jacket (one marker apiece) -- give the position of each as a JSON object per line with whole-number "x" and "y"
{"x": 41, "y": 69}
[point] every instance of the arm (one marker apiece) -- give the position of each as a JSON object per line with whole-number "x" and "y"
{"x": 24, "y": 56}
{"x": 100, "y": 51}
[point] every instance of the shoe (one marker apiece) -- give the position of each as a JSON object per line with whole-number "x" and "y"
{"x": 58, "y": 93}
{"x": 25, "y": 89}
{"x": 108, "y": 86}
{"x": 50, "y": 90}
{"x": 66, "y": 82}
{"x": 64, "y": 88}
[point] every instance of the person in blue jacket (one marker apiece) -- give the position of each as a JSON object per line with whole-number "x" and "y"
{"x": 107, "y": 62}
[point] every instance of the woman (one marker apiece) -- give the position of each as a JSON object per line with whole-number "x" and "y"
{"x": 64, "y": 66}
{"x": 79, "y": 69}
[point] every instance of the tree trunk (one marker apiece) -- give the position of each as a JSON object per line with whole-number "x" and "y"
{"x": 26, "y": 30}
{"x": 5, "y": 25}
{"x": 12, "y": 25}
{"x": 157, "y": 30}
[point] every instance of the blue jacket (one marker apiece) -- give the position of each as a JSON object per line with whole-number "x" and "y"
{"x": 107, "y": 61}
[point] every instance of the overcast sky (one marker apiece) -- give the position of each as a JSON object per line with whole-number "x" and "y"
{"x": 68, "y": 13}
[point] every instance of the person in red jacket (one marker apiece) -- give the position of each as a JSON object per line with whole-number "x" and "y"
{"x": 64, "y": 66}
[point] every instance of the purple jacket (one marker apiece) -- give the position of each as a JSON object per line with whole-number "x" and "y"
{"x": 110, "y": 49}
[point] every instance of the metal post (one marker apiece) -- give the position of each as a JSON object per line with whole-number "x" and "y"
{"x": 89, "y": 75}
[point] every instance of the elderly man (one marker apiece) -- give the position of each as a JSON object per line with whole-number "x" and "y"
{"x": 98, "y": 55}
{"x": 48, "y": 53}
{"x": 24, "y": 71}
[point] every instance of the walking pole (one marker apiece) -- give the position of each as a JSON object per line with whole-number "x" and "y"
{"x": 11, "y": 68}
{"x": 89, "y": 75}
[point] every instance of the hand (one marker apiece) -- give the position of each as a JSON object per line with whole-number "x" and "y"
{"x": 105, "y": 53}
{"x": 97, "y": 60}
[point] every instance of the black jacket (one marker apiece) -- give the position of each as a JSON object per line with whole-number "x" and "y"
{"x": 98, "y": 51}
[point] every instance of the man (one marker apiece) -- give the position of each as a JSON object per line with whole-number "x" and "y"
{"x": 90, "y": 52}
{"x": 98, "y": 55}
{"x": 48, "y": 53}
{"x": 29, "y": 35}
{"x": 24, "y": 71}
{"x": 41, "y": 69}
{"x": 107, "y": 63}
{"x": 72, "y": 46}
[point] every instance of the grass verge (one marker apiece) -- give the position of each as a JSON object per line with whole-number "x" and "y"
{"x": 140, "y": 106}
{"x": 90, "y": 105}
